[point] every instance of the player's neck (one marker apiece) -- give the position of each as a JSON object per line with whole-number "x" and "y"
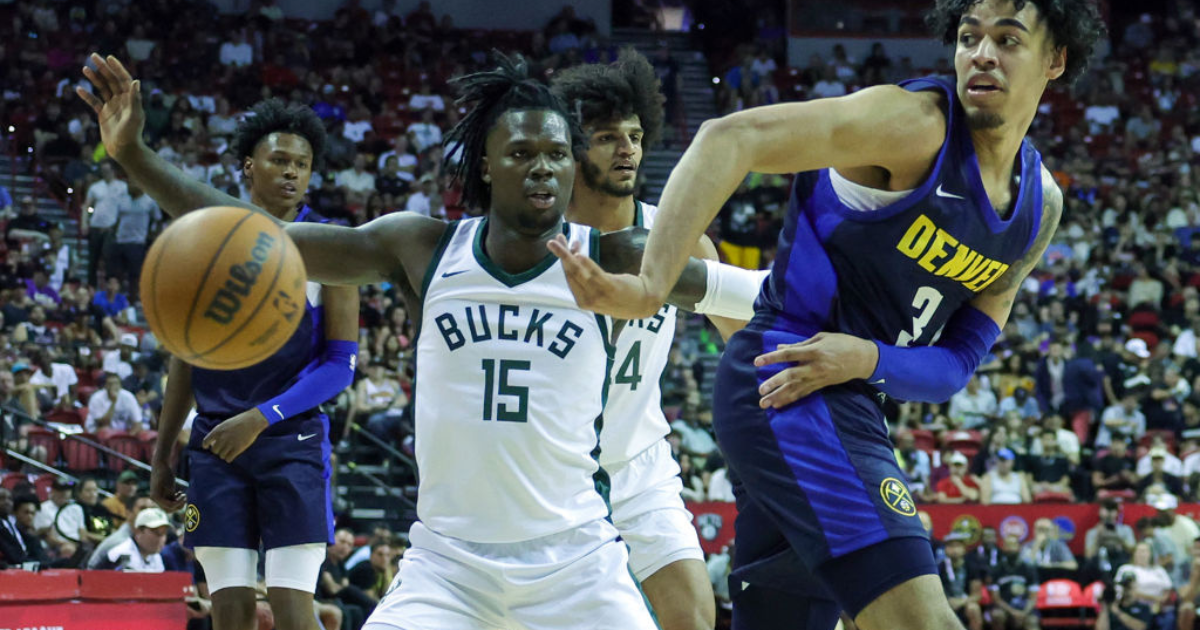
{"x": 513, "y": 251}
{"x": 601, "y": 210}
{"x": 997, "y": 148}
{"x": 282, "y": 214}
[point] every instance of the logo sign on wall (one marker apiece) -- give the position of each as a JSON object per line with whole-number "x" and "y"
{"x": 1013, "y": 526}
{"x": 969, "y": 525}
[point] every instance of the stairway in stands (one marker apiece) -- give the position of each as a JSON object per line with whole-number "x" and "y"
{"x": 14, "y": 176}
{"x": 697, "y": 98}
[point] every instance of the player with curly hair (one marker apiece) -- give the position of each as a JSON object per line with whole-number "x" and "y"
{"x": 259, "y": 449}
{"x": 917, "y": 211}
{"x": 620, "y": 107}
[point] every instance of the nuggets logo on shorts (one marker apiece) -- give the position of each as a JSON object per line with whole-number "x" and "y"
{"x": 895, "y": 495}
{"x": 191, "y": 517}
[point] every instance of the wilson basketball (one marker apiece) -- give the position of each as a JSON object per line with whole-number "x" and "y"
{"x": 223, "y": 288}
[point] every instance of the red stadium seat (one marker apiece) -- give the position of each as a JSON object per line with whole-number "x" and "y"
{"x": 81, "y": 457}
{"x": 925, "y": 440}
{"x": 126, "y": 445}
{"x": 1061, "y": 603}
{"x": 1127, "y": 495}
{"x": 67, "y": 416}
{"x": 1052, "y": 497}
{"x": 42, "y": 485}
{"x": 1148, "y": 438}
{"x": 46, "y": 439}
{"x": 13, "y": 479}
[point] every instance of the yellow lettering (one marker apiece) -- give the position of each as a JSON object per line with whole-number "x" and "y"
{"x": 963, "y": 257}
{"x": 974, "y": 269}
{"x": 917, "y": 237}
{"x": 937, "y": 250}
{"x": 982, "y": 283}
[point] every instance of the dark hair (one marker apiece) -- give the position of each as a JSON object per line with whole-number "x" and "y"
{"x": 603, "y": 92}
{"x": 274, "y": 115}
{"x": 1110, "y": 504}
{"x": 22, "y": 499}
{"x": 1074, "y": 25}
{"x": 490, "y": 94}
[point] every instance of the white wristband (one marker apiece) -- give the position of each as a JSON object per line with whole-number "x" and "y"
{"x": 730, "y": 291}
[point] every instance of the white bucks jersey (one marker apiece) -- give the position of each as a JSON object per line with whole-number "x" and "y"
{"x": 633, "y": 417}
{"x": 510, "y": 386}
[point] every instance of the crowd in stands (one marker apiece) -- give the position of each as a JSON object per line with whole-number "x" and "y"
{"x": 1091, "y": 394}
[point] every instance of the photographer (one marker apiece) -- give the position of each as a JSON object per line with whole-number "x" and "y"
{"x": 1122, "y": 610}
{"x": 1189, "y": 593}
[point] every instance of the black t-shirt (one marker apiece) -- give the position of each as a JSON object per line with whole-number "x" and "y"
{"x": 1138, "y": 610}
{"x": 956, "y": 581}
{"x": 364, "y": 576}
{"x": 1169, "y": 481}
{"x": 1049, "y": 469}
{"x": 336, "y": 571}
{"x": 1014, "y": 581}
{"x": 1110, "y": 465}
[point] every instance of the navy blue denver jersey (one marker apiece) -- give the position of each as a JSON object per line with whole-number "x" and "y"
{"x": 897, "y": 273}
{"x": 221, "y": 394}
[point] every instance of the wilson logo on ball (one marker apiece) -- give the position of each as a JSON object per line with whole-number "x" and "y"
{"x": 228, "y": 299}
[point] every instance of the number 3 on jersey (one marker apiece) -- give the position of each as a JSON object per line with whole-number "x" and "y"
{"x": 926, "y": 304}
{"x": 493, "y": 389}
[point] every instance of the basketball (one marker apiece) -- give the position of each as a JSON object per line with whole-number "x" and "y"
{"x": 223, "y": 288}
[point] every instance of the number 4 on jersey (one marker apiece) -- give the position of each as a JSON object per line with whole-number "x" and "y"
{"x": 630, "y": 372}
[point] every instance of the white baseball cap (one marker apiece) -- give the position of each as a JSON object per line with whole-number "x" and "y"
{"x": 152, "y": 518}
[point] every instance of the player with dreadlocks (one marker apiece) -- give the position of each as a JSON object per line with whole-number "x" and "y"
{"x": 512, "y": 375}
{"x": 620, "y": 107}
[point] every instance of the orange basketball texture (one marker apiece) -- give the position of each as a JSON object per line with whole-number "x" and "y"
{"x": 223, "y": 288}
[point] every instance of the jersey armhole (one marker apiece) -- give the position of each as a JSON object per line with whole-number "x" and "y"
{"x": 436, "y": 258}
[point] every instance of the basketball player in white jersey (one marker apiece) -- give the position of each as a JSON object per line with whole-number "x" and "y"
{"x": 621, "y": 110}
{"x": 512, "y": 375}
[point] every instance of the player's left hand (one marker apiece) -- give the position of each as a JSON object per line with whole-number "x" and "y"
{"x": 823, "y": 360}
{"x": 621, "y": 295}
{"x": 233, "y": 436}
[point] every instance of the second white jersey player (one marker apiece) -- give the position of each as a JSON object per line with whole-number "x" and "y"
{"x": 646, "y": 504}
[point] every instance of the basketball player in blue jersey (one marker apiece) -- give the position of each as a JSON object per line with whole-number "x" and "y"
{"x": 259, "y": 448}
{"x": 621, "y": 110}
{"x": 918, "y": 210}
{"x": 514, "y": 528}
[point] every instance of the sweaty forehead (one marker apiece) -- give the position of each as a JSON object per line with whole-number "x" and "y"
{"x": 531, "y": 125}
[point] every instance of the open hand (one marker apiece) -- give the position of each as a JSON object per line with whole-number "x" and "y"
{"x": 233, "y": 436}
{"x": 621, "y": 295}
{"x": 823, "y": 360}
{"x": 118, "y": 106}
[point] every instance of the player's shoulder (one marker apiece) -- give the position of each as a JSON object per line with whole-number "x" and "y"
{"x": 907, "y": 110}
{"x": 1052, "y": 199}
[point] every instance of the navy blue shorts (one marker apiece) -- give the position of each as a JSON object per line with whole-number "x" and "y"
{"x": 276, "y": 492}
{"x": 823, "y": 508}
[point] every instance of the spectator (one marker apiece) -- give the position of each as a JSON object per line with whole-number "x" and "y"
{"x": 1015, "y": 586}
{"x": 121, "y": 503}
{"x": 146, "y": 387}
{"x": 1002, "y": 485}
{"x": 35, "y": 330}
{"x": 136, "y": 217}
{"x": 334, "y": 584}
{"x": 237, "y": 52}
{"x": 1115, "y": 470}
{"x": 1046, "y": 550}
{"x": 1189, "y": 592}
{"x": 111, "y": 301}
{"x": 102, "y": 200}
{"x": 138, "y": 46}
{"x": 425, "y": 99}
{"x": 973, "y": 406}
{"x": 84, "y": 521}
{"x": 60, "y": 496}
{"x": 964, "y": 590}
{"x": 425, "y": 133}
{"x": 406, "y": 162}
{"x": 913, "y": 461}
{"x": 1021, "y": 403}
{"x": 1068, "y": 442}
{"x": 375, "y": 576}
{"x": 1127, "y": 611}
{"x": 1151, "y": 584}
{"x": 121, "y": 360}
{"x": 39, "y": 290}
{"x": 697, "y": 439}
{"x": 1050, "y": 471}
{"x": 1180, "y": 528}
{"x": 380, "y": 402}
{"x": 113, "y": 409}
{"x": 424, "y": 199}
{"x": 1123, "y": 420}
{"x": 959, "y": 487}
{"x": 61, "y": 253}
{"x": 693, "y": 483}
{"x": 25, "y": 509}
{"x": 142, "y": 553}
{"x": 1050, "y": 390}
{"x": 356, "y": 182}
{"x": 829, "y": 86}
{"x": 122, "y": 533}
{"x": 1109, "y": 535}
{"x": 27, "y": 225}
{"x": 6, "y": 203}
{"x": 1157, "y": 478}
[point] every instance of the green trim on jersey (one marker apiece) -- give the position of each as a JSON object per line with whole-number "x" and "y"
{"x": 639, "y": 220}
{"x": 642, "y": 592}
{"x": 438, "y": 252}
{"x": 511, "y": 280}
{"x": 600, "y": 478}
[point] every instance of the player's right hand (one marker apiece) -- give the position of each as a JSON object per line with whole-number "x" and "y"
{"x": 118, "y": 105}
{"x": 163, "y": 490}
{"x": 621, "y": 295}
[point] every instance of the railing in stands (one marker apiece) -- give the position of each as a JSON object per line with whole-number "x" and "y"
{"x": 389, "y": 489}
{"x": 387, "y": 448}
{"x": 46, "y": 468}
